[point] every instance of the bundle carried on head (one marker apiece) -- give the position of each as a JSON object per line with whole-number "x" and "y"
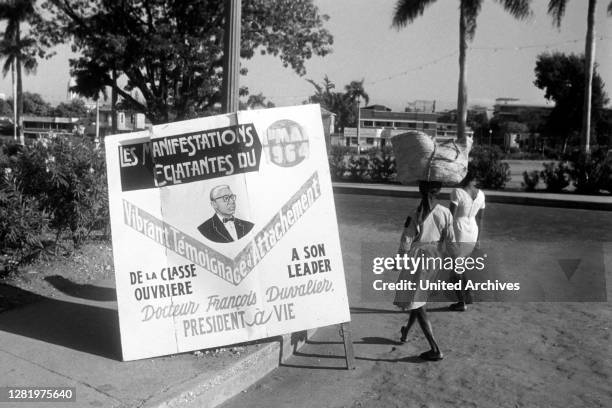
{"x": 419, "y": 157}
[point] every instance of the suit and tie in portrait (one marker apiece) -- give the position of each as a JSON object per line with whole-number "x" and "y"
{"x": 223, "y": 226}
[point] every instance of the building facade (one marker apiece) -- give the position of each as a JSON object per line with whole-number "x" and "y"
{"x": 378, "y": 124}
{"x": 508, "y": 110}
{"x": 35, "y": 127}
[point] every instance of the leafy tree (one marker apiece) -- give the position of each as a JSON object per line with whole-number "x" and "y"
{"x": 562, "y": 77}
{"x": 406, "y": 11}
{"x": 75, "y": 109}
{"x": 556, "y": 8}
{"x": 172, "y": 51}
{"x": 479, "y": 123}
{"x": 5, "y": 108}
{"x": 18, "y": 50}
{"x": 256, "y": 101}
{"x": 34, "y": 104}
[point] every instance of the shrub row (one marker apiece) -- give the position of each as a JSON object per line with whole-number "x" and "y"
{"x": 379, "y": 165}
{"x": 376, "y": 165}
{"x": 48, "y": 189}
{"x": 590, "y": 174}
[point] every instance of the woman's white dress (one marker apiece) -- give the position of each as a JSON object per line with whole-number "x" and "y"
{"x": 464, "y": 221}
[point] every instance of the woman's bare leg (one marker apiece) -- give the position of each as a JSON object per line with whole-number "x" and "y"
{"x": 405, "y": 329}
{"x": 434, "y": 353}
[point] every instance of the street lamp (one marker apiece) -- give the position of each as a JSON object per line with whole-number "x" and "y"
{"x": 490, "y": 136}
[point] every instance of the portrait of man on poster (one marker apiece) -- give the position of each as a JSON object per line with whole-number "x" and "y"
{"x": 223, "y": 226}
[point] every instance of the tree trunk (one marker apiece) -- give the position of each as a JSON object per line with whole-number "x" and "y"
{"x": 14, "y": 80}
{"x": 19, "y": 92}
{"x": 589, "y": 62}
{"x": 462, "y": 93}
{"x": 114, "y": 103}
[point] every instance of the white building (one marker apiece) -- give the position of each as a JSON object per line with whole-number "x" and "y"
{"x": 378, "y": 124}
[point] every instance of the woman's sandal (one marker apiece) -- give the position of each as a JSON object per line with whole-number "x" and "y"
{"x": 404, "y": 333}
{"x": 431, "y": 356}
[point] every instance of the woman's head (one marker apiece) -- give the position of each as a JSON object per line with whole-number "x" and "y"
{"x": 429, "y": 188}
{"x": 469, "y": 179}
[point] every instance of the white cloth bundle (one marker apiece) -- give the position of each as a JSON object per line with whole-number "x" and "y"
{"x": 419, "y": 157}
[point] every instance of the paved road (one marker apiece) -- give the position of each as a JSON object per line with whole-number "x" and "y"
{"x": 496, "y": 354}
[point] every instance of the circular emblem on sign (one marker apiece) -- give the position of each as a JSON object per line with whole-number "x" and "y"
{"x": 286, "y": 143}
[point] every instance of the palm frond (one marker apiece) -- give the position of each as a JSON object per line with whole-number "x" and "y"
{"x": 517, "y": 8}
{"x": 318, "y": 88}
{"x": 471, "y": 10}
{"x": 556, "y": 8}
{"x": 7, "y": 66}
{"x": 406, "y": 11}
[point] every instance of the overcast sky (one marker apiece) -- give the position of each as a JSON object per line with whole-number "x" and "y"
{"x": 418, "y": 62}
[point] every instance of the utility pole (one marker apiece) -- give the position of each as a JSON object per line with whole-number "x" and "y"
{"x": 231, "y": 56}
{"x": 589, "y": 63}
{"x": 358, "y": 116}
{"x": 97, "y": 141}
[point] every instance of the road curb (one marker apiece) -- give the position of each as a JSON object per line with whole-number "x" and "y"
{"x": 600, "y": 203}
{"x": 211, "y": 391}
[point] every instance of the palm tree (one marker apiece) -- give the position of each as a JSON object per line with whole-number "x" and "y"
{"x": 406, "y": 11}
{"x": 17, "y": 49}
{"x": 354, "y": 91}
{"x": 556, "y": 8}
{"x": 323, "y": 93}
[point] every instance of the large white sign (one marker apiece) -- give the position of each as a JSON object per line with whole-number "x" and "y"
{"x": 224, "y": 231}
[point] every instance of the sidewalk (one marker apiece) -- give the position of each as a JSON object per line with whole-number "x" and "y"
{"x": 74, "y": 342}
{"x": 576, "y": 201}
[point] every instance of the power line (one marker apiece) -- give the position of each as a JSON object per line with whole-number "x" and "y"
{"x": 485, "y": 48}
{"x": 415, "y": 68}
{"x": 530, "y": 46}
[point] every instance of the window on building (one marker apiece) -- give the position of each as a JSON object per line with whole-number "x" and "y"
{"x": 383, "y": 124}
{"x": 411, "y": 125}
{"x": 368, "y": 123}
{"x": 370, "y": 140}
{"x": 425, "y": 125}
{"x": 354, "y": 141}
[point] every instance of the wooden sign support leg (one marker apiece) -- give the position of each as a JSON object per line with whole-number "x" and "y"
{"x": 345, "y": 332}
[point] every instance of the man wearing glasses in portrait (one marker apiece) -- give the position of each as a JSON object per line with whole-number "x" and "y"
{"x": 223, "y": 226}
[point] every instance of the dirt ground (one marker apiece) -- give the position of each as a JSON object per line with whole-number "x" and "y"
{"x": 555, "y": 354}
{"x": 496, "y": 355}
{"x": 50, "y": 276}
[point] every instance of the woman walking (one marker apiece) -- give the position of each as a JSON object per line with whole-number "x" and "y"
{"x": 467, "y": 205}
{"x": 428, "y": 233}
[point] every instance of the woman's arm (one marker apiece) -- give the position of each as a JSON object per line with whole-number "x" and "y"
{"x": 407, "y": 237}
{"x": 479, "y": 222}
{"x": 454, "y": 201}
